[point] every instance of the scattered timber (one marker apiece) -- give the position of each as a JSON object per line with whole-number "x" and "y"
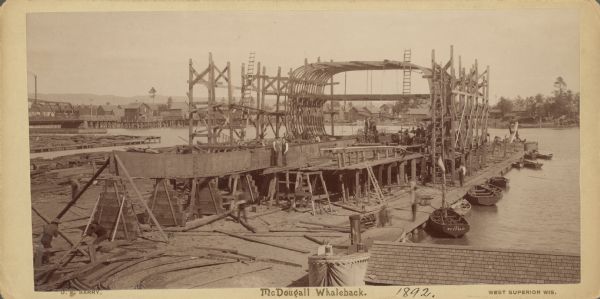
{"x": 198, "y": 222}
{"x": 174, "y": 268}
{"x": 262, "y": 242}
{"x": 231, "y": 276}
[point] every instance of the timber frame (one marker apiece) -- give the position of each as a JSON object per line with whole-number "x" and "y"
{"x": 458, "y": 105}
{"x": 459, "y": 115}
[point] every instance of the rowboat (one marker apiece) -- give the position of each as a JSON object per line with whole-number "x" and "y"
{"x": 485, "y": 195}
{"x": 531, "y": 155}
{"x": 462, "y": 207}
{"x": 445, "y": 221}
{"x": 544, "y": 156}
{"x": 532, "y": 164}
{"x": 534, "y": 154}
{"x": 518, "y": 164}
{"x": 498, "y": 181}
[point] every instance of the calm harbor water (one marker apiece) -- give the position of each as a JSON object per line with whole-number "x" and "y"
{"x": 540, "y": 211}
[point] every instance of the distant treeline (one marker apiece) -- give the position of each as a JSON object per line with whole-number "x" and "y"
{"x": 562, "y": 104}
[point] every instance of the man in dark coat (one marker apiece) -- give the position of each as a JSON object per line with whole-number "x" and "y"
{"x": 50, "y": 231}
{"x": 100, "y": 234}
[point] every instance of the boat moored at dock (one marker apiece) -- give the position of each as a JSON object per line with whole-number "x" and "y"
{"x": 485, "y": 195}
{"x": 532, "y": 164}
{"x": 534, "y": 154}
{"x": 445, "y": 221}
{"x": 498, "y": 181}
{"x": 462, "y": 207}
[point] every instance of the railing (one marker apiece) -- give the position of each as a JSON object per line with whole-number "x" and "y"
{"x": 357, "y": 154}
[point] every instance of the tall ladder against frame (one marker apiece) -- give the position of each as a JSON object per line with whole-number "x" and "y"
{"x": 375, "y": 184}
{"x": 247, "y": 93}
{"x": 406, "y": 75}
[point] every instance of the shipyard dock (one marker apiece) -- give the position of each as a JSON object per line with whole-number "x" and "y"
{"x": 227, "y": 211}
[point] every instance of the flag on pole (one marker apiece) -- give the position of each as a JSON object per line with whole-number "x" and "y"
{"x": 440, "y": 163}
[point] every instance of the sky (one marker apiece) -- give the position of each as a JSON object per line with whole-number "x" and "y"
{"x": 126, "y": 53}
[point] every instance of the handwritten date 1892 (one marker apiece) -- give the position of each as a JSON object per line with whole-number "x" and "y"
{"x": 415, "y": 292}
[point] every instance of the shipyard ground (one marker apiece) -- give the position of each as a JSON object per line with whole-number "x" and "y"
{"x": 204, "y": 245}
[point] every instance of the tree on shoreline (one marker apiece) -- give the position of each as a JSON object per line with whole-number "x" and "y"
{"x": 504, "y": 105}
{"x": 563, "y": 103}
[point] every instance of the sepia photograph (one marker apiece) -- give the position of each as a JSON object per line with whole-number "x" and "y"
{"x": 304, "y": 151}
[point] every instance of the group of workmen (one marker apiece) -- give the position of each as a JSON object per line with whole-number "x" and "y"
{"x": 408, "y": 137}
{"x": 370, "y": 133}
{"x": 93, "y": 235}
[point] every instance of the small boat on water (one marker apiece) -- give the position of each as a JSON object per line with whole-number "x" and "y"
{"x": 534, "y": 154}
{"x": 485, "y": 195}
{"x": 544, "y": 156}
{"x": 518, "y": 164}
{"x": 498, "y": 181}
{"x": 445, "y": 221}
{"x": 462, "y": 207}
{"x": 448, "y": 222}
{"x": 532, "y": 164}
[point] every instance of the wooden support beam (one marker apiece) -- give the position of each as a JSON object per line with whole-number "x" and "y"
{"x": 413, "y": 169}
{"x": 356, "y": 185}
{"x": 87, "y": 185}
{"x": 343, "y": 186}
{"x": 140, "y": 197}
{"x": 401, "y": 173}
{"x": 389, "y": 173}
{"x": 198, "y": 222}
{"x": 262, "y": 242}
{"x": 59, "y": 232}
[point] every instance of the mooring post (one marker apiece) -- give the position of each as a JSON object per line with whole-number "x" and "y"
{"x": 355, "y": 229}
{"x": 401, "y": 174}
{"x": 356, "y": 185}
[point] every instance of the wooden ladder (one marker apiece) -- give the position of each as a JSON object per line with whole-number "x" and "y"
{"x": 247, "y": 96}
{"x": 375, "y": 184}
{"x": 303, "y": 180}
{"x": 406, "y": 75}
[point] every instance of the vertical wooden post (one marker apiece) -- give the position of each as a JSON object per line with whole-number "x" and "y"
{"x": 258, "y": 113}
{"x": 355, "y": 229}
{"x": 191, "y": 106}
{"x": 389, "y": 173}
{"x": 211, "y": 101}
{"x": 343, "y": 186}
{"x": 331, "y": 105}
{"x": 263, "y": 123}
{"x": 413, "y": 169}
{"x": 277, "y": 116}
{"x": 366, "y": 185}
{"x": 357, "y": 192}
{"x": 230, "y": 102}
{"x": 401, "y": 174}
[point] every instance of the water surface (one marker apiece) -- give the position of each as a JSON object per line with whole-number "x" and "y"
{"x": 540, "y": 211}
